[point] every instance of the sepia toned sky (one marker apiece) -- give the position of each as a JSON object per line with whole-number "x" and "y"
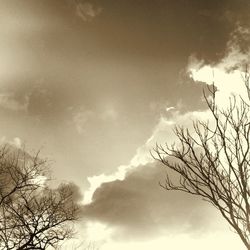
{"x": 95, "y": 84}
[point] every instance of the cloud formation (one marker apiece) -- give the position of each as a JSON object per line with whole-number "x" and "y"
{"x": 81, "y": 118}
{"x": 139, "y": 207}
{"x": 87, "y": 11}
{"x": 132, "y": 55}
{"x": 9, "y": 101}
{"x": 130, "y": 200}
{"x": 228, "y": 74}
{"x": 134, "y": 203}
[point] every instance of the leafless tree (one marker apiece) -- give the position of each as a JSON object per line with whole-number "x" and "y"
{"x": 212, "y": 160}
{"x": 32, "y": 215}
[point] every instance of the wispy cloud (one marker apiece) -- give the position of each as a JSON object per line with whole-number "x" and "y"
{"x": 87, "y": 11}
{"x": 81, "y": 118}
{"x": 16, "y": 142}
{"x": 109, "y": 113}
{"x": 10, "y": 102}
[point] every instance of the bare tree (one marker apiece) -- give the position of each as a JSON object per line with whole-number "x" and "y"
{"x": 32, "y": 215}
{"x": 213, "y": 161}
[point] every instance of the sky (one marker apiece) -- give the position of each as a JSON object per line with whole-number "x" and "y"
{"x": 95, "y": 84}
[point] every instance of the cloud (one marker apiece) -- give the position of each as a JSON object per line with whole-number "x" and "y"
{"x": 10, "y": 102}
{"x": 109, "y": 113}
{"x": 238, "y": 49}
{"x": 76, "y": 191}
{"x": 228, "y": 73}
{"x": 17, "y": 142}
{"x": 209, "y": 241}
{"x": 237, "y": 52}
{"x": 130, "y": 199}
{"x": 139, "y": 207}
{"x": 87, "y": 11}
{"x": 162, "y": 132}
{"x": 81, "y": 118}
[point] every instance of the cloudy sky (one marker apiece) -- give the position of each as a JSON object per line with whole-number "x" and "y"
{"x": 95, "y": 84}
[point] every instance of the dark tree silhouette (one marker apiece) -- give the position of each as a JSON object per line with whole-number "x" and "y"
{"x": 32, "y": 215}
{"x": 213, "y": 160}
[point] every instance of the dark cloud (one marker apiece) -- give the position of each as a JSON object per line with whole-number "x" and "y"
{"x": 134, "y": 51}
{"x": 139, "y": 207}
{"x": 77, "y": 195}
{"x": 170, "y": 29}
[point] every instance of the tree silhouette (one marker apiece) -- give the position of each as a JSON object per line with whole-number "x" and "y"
{"x": 213, "y": 161}
{"x": 32, "y": 215}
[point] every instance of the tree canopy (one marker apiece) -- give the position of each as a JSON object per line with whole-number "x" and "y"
{"x": 32, "y": 214}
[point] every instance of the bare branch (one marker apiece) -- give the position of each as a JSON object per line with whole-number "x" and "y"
{"x": 214, "y": 161}
{"x": 32, "y": 215}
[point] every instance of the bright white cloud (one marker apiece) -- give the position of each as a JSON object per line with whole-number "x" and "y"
{"x": 228, "y": 74}
{"x": 97, "y": 180}
{"x": 96, "y": 231}
{"x": 227, "y": 83}
{"x": 16, "y": 142}
{"x": 101, "y": 240}
{"x": 181, "y": 241}
{"x": 163, "y": 132}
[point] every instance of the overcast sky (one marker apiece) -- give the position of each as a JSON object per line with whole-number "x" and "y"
{"x": 95, "y": 84}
